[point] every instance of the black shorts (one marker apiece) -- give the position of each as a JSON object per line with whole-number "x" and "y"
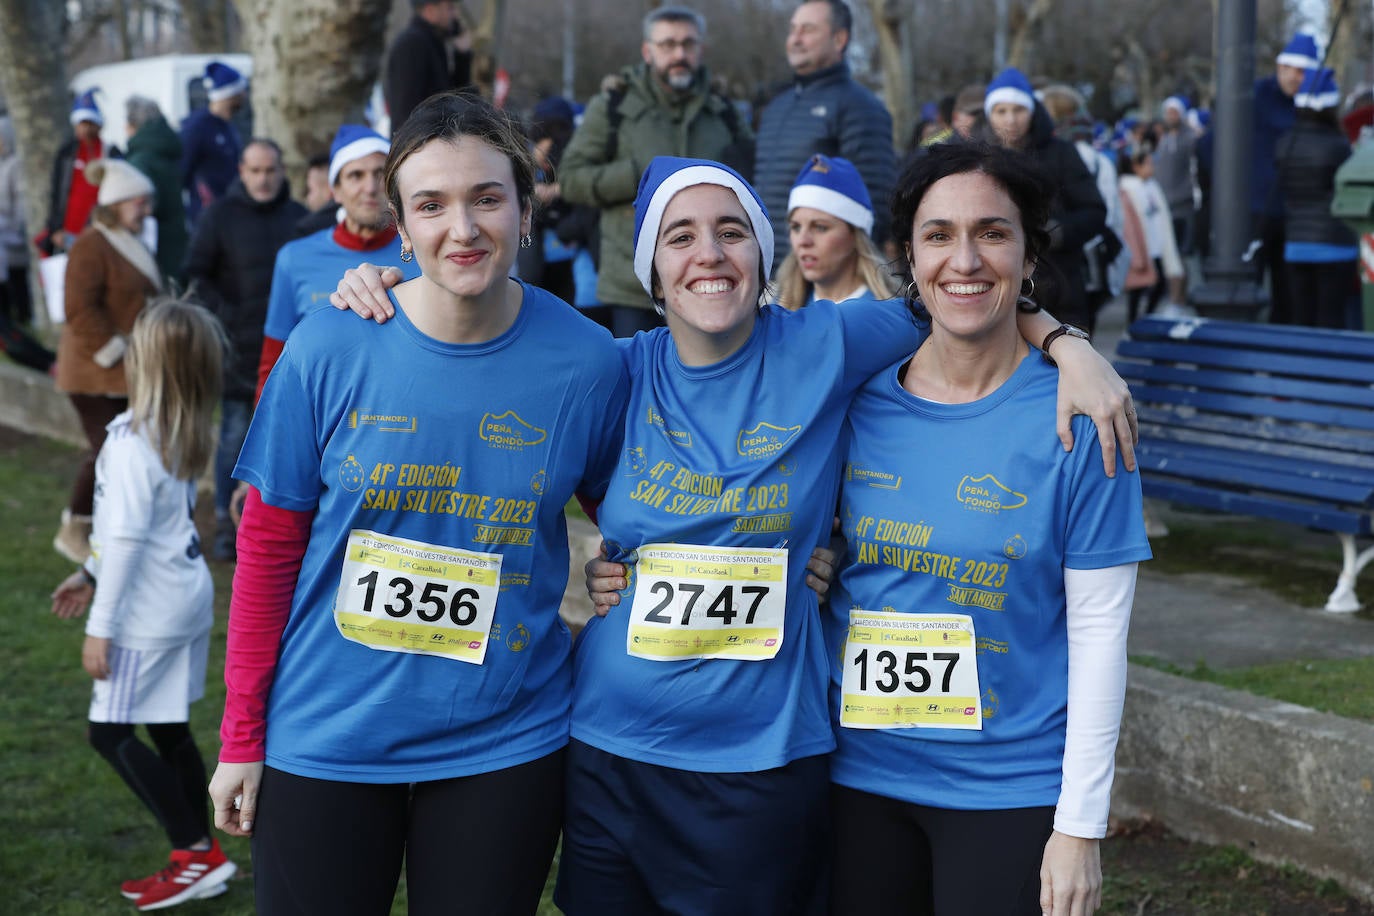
{"x": 646, "y": 839}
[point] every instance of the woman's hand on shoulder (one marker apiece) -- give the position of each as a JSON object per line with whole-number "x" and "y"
{"x": 234, "y": 793}
{"x": 1089, "y": 385}
{"x": 363, "y": 290}
{"x": 1070, "y": 876}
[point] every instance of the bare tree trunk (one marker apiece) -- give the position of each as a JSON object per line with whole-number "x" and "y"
{"x": 1025, "y": 32}
{"x": 314, "y": 63}
{"x": 891, "y": 19}
{"x": 34, "y": 82}
{"x": 120, "y": 12}
{"x": 206, "y": 22}
{"x": 486, "y": 46}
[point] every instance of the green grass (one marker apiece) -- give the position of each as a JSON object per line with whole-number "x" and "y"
{"x": 1344, "y": 687}
{"x": 73, "y": 831}
{"x": 1148, "y": 871}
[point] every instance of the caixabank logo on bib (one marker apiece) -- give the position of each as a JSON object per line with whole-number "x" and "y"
{"x": 988, "y": 494}
{"x": 509, "y": 431}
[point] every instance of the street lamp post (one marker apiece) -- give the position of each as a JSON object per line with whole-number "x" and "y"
{"x": 1230, "y": 288}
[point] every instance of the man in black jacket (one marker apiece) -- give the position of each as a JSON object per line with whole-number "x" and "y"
{"x": 823, "y": 111}
{"x": 431, "y": 54}
{"x": 230, "y": 269}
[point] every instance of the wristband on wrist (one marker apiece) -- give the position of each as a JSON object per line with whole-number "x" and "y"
{"x": 1057, "y": 333}
{"x": 86, "y": 575}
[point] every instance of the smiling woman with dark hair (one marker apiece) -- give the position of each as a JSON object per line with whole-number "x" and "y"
{"x": 977, "y": 638}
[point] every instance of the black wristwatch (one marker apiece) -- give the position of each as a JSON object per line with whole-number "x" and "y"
{"x": 1057, "y": 333}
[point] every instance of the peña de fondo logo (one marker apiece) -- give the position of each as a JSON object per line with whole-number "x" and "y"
{"x": 508, "y": 430}
{"x": 988, "y": 494}
{"x": 765, "y": 440}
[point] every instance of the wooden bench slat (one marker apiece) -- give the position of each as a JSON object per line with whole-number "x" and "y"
{"x": 1311, "y": 516}
{"x": 1295, "y": 442}
{"x": 1354, "y": 371}
{"x": 1245, "y": 406}
{"x": 1286, "y": 338}
{"x": 1250, "y": 383}
{"x": 1322, "y": 443}
{"x": 1213, "y": 465}
{"x": 1246, "y": 455}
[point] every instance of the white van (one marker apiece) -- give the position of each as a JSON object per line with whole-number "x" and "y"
{"x": 171, "y": 80}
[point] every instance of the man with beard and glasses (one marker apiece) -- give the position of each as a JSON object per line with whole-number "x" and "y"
{"x": 664, "y": 106}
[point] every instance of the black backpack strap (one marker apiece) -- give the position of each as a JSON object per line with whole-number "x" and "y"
{"x": 613, "y": 118}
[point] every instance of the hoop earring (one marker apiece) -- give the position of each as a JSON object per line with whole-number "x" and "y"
{"x": 912, "y": 295}
{"x": 407, "y": 255}
{"x": 1024, "y": 302}
{"x": 526, "y": 240}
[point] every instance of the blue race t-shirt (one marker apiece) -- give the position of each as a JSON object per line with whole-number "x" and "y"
{"x": 743, "y": 454}
{"x": 474, "y": 446}
{"x": 307, "y": 270}
{"x": 975, "y": 509}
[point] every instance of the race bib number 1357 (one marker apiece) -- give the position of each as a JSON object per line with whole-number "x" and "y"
{"x": 910, "y": 671}
{"x": 400, "y": 595}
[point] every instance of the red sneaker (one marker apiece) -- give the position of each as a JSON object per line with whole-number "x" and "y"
{"x": 190, "y": 875}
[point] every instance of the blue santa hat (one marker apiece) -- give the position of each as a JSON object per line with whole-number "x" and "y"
{"x": 665, "y": 176}
{"x": 85, "y": 109}
{"x": 1199, "y": 119}
{"x": 1178, "y": 103}
{"x": 833, "y": 185}
{"x": 1301, "y": 52}
{"x": 1011, "y": 86}
{"x": 1318, "y": 91}
{"x": 222, "y": 81}
{"x": 352, "y": 142}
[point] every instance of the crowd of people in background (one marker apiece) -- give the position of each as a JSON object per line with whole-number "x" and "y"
{"x": 603, "y": 205}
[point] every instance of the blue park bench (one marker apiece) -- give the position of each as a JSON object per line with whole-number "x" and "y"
{"x": 1261, "y": 420}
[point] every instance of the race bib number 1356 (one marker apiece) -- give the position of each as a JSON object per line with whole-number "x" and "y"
{"x": 400, "y": 595}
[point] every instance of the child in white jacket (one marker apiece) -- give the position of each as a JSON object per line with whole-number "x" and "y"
{"x": 148, "y": 632}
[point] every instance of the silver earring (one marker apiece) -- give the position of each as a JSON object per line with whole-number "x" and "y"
{"x": 1029, "y": 293}
{"x": 912, "y": 295}
{"x": 407, "y": 255}
{"x": 526, "y": 240}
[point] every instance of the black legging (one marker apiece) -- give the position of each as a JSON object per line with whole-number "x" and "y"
{"x": 1151, "y": 294}
{"x": 171, "y": 782}
{"x": 904, "y": 859}
{"x": 477, "y": 844}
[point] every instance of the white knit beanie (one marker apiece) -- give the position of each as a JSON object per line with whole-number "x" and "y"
{"x": 117, "y": 181}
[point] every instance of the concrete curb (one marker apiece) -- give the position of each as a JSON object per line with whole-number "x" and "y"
{"x": 28, "y": 401}
{"x": 1287, "y": 784}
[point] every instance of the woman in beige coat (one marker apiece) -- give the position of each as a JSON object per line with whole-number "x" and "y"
{"x": 110, "y": 275}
